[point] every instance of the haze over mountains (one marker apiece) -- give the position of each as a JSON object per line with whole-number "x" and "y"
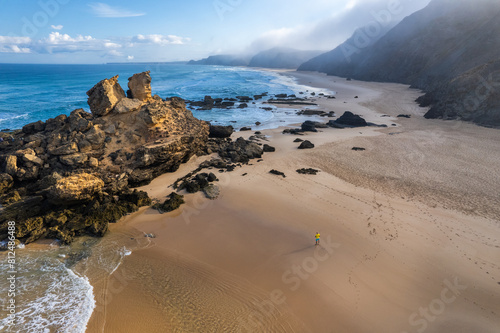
{"x": 278, "y": 57}
{"x": 450, "y": 49}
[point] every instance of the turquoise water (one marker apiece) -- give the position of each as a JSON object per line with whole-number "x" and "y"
{"x": 30, "y": 93}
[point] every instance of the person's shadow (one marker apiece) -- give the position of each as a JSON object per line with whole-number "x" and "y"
{"x": 302, "y": 249}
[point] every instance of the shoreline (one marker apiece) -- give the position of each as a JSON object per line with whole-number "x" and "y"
{"x": 229, "y": 263}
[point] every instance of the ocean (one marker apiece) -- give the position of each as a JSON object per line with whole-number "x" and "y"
{"x": 30, "y": 93}
{"x": 54, "y": 291}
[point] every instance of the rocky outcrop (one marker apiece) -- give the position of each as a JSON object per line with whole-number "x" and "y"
{"x": 139, "y": 86}
{"x": 104, "y": 96}
{"x": 221, "y": 131}
{"x": 127, "y": 105}
{"x": 76, "y": 188}
{"x": 240, "y": 151}
{"x": 309, "y": 126}
{"x": 73, "y": 173}
{"x": 349, "y": 119}
{"x": 6, "y": 182}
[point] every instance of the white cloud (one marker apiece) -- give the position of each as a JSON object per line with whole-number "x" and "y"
{"x": 58, "y": 38}
{"x": 12, "y": 44}
{"x": 160, "y": 39}
{"x": 103, "y": 10}
{"x": 59, "y": 43}
{"x": 57, "y": 27}
{"x": 115, "y": 53}
{"x": 14, "y": 40}
{"x": 111, "y": 45}
{"x": 64, "y": 43}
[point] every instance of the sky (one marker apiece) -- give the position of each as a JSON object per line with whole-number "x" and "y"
{"x": 87, "y": 32}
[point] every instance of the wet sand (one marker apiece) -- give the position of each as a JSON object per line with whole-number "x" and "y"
{"x": 410, "y": 237}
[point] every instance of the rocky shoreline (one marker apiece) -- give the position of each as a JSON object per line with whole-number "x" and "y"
{"x": 73, "y": 175}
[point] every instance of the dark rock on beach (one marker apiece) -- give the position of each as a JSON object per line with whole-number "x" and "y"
{"x": 351, "y": 120}
{"x": 306, "y": 145}
{"x": 173, "y": 202}
{"x": 220, "y": 131}
{"x": 277, "y": 173}
{"x": 240, "y": 151}
{"x": 268, "y": 149}
{"x": 309, "y": 126}
{"x": 308, "y": 171}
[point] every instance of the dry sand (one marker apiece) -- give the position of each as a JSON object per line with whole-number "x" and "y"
{"x": 410, "y": 237}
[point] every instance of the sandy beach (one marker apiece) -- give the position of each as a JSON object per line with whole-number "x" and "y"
{"x": 410, "y": 232}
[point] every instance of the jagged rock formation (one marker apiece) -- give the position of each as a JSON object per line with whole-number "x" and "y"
{"x": 104, "y": 96}
{"x": 448, "y": 49}
{"x": 73, "y": 173}
{"x": 139, "y": 86}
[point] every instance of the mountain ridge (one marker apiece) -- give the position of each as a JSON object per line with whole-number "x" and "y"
{"x": 434, "y": 49}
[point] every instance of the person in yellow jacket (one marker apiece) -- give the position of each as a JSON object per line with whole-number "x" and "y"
{"x": 317, "y": 238}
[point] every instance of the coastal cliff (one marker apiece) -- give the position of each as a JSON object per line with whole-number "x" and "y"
{"x": 448, "y": 49}
{"x": 72, "y": 175}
